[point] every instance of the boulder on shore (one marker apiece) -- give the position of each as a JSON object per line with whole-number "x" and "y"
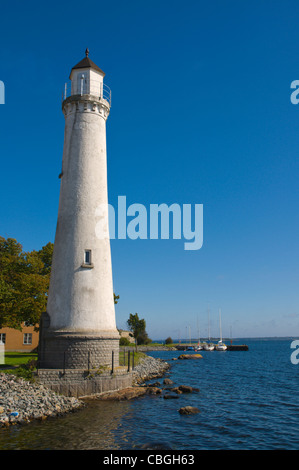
{"x": 129, "y": 393}
{"x": 153, "y": 391}
{"x": 190, "y": 356}
{"x": 169, "y": 396}
{"x": 168, "y": 382}
{"x": 188, "y": 410}
{"x": 185, "y": 388}
{"x": 126, "y": 394}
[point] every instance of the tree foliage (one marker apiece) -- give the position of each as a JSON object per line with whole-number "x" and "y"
{"x": 24, "y": 283}
{"x": 137, "y": 326}
{"x": 143, "y": 338}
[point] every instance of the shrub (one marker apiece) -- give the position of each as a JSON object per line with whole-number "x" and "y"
{"x": 124, "y": 342}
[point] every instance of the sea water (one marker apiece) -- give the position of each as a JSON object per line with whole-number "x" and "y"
{"x": 247, "y": 400}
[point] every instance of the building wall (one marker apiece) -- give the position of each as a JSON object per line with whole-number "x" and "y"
{"x": 126, "y": 334}
{"x": 14, "y": 339}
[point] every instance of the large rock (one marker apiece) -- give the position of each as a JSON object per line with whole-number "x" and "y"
{"x": 190, "y": 356}
{"x": 188, "y": 410}
{"x": 176, "y": 390}
{"x": 167, "y": 381}
{"x": 185, "y": 389}
{"x": 125, "y": 394}
{"x": 129, "y": 393}
{"x": 153, "y": 390}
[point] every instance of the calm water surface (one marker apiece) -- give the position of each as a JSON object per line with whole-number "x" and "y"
{"x": 247, "y": 400}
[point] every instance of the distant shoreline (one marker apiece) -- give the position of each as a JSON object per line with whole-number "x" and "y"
{"x": 216, "y": 338}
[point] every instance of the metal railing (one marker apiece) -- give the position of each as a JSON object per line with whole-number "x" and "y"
{"x": 85, "y": 86}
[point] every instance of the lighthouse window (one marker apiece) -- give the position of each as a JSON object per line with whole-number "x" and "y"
{"x": 87, "y": 257}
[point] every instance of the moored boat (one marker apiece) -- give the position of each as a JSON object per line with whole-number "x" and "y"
{"x": 220, "y": 346}
{"x": 209, "y": 346}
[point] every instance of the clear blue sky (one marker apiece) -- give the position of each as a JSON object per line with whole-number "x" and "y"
{"x": 201, "y": 113}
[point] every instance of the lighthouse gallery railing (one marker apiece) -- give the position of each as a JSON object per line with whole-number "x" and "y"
{"x": 102, "y": 90}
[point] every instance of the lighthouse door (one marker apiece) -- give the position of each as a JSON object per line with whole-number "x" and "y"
{"x": 82, "y": 84}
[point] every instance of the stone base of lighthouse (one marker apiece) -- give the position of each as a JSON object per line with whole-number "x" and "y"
{"x": 79, "y": 364}
{"x": 77, "y": 350}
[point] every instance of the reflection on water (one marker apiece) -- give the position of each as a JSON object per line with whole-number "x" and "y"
{"x": 90, "y": 428}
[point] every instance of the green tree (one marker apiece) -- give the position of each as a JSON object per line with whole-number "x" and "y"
{"x": 24, "y": 283}
{"x": 136, "y": 326}
{"x": 168, "y": 340}
{"x": 143, "y": 338}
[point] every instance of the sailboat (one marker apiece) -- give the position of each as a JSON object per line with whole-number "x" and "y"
{"x": 220, "y": 346}
{"x": 209, "y": 346}
{"x": 198, "y": 347}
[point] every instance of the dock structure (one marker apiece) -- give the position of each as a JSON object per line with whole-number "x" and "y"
{"x": 237, "y": 347}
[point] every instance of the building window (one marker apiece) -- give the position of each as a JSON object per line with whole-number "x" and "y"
{"x": 27, "y": 338}
{"x": 87, "y": 257}
{"x": 2, "y": 338}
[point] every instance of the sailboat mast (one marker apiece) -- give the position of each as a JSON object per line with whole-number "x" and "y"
{"x": 209, "y": 321}
{"x": 198, "y": 330}
{"x": 220, "y": 325}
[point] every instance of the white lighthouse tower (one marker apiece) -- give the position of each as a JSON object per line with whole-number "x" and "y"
{"x": 79, "y": 326}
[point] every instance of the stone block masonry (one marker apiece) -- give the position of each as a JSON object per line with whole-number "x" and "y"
{"x": 80, "y": 383}
{"x": 67, "y": 351}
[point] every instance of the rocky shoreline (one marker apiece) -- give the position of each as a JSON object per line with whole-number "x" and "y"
{"x": 22, "y": 401}
{"x": 149, "y": 368}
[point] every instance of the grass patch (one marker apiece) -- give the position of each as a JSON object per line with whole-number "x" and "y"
{"x": 123, "y": 357}
{"x": 15, "y": 359}
{"x": 20, "y": 364}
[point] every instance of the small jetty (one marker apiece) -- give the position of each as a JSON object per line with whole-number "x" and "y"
{"x": 237, "y": 347}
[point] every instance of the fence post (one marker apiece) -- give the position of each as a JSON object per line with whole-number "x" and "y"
{"x": 88, "y": 363}
{"x": 112, "y": 368}
{"x": 133, "y": 360}
{"x": 129, "y": 352}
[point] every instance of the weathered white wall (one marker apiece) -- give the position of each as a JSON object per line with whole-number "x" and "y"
{"x": 81, "y": 299}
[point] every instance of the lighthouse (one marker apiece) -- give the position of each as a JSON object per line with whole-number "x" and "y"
{"x": 79, "y": 327}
